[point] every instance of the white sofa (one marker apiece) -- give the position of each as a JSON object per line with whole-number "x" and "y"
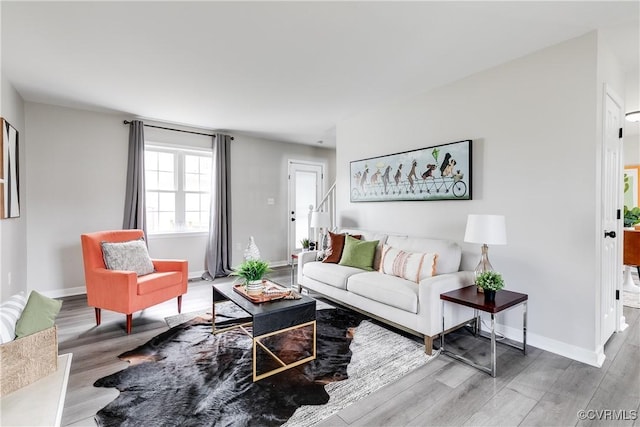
{"x": 413, "y": 307}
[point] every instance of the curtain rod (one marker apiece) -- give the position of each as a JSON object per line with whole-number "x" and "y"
{"x": 126, "y": 122}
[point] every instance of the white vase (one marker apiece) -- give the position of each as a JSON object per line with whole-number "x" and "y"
{"x": 252, "y": 251}
{"x": 255, "y": 287}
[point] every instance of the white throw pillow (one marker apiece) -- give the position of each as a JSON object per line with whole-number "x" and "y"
{"x": 10, "y": 312}
{"x": 128, "y": 256}
{"x": 413, "y": 266}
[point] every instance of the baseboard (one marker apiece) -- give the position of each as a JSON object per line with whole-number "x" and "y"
{"x": 196, "y": 275}
{"x": 594, "y": 358}
{"x": 280, "y": 264}
{"x": 66, "y": 292}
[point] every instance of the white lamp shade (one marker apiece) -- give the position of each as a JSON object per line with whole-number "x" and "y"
{"x": 486, "y": 229}
{"x": 320, "y": 219}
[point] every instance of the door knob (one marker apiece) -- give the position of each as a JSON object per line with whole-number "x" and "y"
{"x": 611, "y": 234}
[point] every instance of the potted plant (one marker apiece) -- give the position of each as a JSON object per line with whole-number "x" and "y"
{"x": 252, "y": 271}
{"x": 631, "y": 216}
{"x": 305, "y": 243}
{"x": 490, "y": 282}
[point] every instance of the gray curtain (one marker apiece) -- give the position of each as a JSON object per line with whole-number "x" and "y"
{"x": 134, "y": 206}
{"x": 218, "y": 256}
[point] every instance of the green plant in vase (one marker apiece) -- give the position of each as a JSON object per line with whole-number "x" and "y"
{"x": 252, "y": 271}
{"x": 631, "y": 216}
{"x": 490, "y": 282}
{"x": 305, "y": 243}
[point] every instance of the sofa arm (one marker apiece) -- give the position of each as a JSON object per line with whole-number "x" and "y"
{"x": 179, "y": 265}
{"x": 170, "y": 265}
{"x": 111, "y": 289}
{"x": 430, "y": 304}
{"x": 436, "y": 285}
{"x": 303, "y": 258}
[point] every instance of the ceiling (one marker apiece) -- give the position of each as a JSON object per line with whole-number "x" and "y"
{"x": 287, "y": 71}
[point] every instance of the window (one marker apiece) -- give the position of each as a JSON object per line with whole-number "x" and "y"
{"x": 178, "y": 183}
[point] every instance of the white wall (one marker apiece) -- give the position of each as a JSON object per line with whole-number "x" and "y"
{"x": 533, "y": 126}
{"x": 632, "y": 130}
{"x": 76, "y": 184}
{"x": 13, "y": 246}
{"x": 259, "y": 172}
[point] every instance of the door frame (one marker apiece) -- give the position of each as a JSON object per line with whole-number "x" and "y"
{"x": 323, "y": 190}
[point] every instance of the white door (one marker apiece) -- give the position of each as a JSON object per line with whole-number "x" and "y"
{"x": 305, "y": 190}
{"x": 612, "y": 179}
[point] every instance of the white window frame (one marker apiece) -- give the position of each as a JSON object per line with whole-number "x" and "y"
{"x": 179, "y": 178}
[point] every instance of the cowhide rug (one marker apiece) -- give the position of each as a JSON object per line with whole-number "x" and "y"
{"x": 188, "y": 377}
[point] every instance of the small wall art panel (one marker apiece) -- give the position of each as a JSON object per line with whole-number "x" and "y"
{"x": 631, "y": 187}
{"x": 10, "y": 188}
{"x": 441, "y": 172}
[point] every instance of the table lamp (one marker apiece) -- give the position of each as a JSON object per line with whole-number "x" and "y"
{"x": 487, "y": 230}
{"x": 321, "y": 220}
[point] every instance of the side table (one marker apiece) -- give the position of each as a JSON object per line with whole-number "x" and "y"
{"x": 470, "y": 297}
{"x": 40, "y": 403}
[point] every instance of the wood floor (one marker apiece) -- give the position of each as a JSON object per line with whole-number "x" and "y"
{"x": 539, "y": 389}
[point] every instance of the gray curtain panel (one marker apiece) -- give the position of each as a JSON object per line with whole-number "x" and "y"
{"x": 218, "y": 255}
{"x": 134, "y": 206}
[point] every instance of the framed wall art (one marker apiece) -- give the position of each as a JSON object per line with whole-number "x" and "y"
{"x": 631, "y": 187}
{"x": 441, "y": 172}
{"x": 10, "y": 188}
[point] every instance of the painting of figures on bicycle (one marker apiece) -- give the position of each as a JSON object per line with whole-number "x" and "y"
{"x": 442, "y": 172}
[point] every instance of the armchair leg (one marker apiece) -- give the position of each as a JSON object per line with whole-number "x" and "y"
{"x": 98, "y": 315}
{"x": 129, "y": 323}
{"x": 180, "y": 304}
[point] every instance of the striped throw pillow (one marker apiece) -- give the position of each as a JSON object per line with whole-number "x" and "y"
{"x": 413, "y": 266}
{"x": 10, "y": 312}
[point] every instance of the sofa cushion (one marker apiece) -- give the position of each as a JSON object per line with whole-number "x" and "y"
{"x": 335, "y": 275}
{"x": 371, "y": 235}
{"x": 336, "y": 244}
{"x": 357, "y": 253}
{"x": 155, "y": 281}
{"x": 10, "y": 312}
{"x": 413, "y": 266}
{"x": 127, "y": 256}
{"x": 389, "y": 290}
{"x": 449, "y": 253}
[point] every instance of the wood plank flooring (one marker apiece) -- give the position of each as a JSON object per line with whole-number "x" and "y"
{"x": 539, "y": 389}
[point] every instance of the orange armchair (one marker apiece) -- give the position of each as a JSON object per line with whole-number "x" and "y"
{"x": 124, "y": 291}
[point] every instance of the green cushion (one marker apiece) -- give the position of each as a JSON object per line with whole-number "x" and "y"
{"x": 358, "y": 253}
{"x": 39, "y": 314}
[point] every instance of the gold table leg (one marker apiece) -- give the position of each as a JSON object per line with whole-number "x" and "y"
{"x": 284, "y": 366}
{"x": 256, "y": 342}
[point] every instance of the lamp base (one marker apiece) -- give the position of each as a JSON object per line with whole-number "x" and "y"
{"x": 484, "y": 264}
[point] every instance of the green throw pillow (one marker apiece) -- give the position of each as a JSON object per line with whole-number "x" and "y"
{"x": 358, "y": 253}
{"x": 39, "y": 314}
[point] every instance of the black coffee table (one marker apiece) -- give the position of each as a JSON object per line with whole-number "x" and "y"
{"x": 268, "y": 319}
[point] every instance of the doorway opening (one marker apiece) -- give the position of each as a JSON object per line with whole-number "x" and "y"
{"x": 306, "y": 185}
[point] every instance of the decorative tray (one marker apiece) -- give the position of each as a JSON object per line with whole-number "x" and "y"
{"x": 272, "y": 291}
